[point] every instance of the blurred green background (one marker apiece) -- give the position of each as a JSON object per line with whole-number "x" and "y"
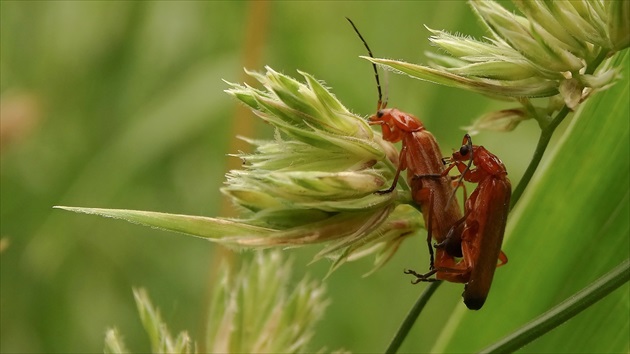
{"x": 121, "y": 105}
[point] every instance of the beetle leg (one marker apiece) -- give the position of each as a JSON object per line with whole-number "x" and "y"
{"x": 502, "y": 259}
{"x": 402, "y": 164}
{"x": 421, "y": 277}
{"x": 431, "y": 175}
{"x": 452, "y": 243}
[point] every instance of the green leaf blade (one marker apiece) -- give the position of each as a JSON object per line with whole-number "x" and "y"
{"x": 213, "y": 229}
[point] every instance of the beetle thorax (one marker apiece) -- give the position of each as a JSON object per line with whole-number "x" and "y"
{"x": 398, "y": 120}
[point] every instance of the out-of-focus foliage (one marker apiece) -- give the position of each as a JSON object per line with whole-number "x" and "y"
{"x": 121, "y": 105}
{"x": 256, "y": 310}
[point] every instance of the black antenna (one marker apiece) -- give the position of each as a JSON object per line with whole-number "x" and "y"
{"x": 470, "y": 147}
{"x": 378, "y": 82}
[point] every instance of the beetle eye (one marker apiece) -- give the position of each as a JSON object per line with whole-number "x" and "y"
{"x": 464, "y": 150}
{"x": 380, "y": 113}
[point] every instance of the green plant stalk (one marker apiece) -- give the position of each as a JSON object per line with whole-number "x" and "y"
{"x": 564, "y": 311}
{"x": 545, "y": 137}
{"x": 543, "y": 142}
{"x": 413, "y": 314}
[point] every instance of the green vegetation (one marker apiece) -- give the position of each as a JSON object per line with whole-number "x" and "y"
{"x": 121, "y": 105}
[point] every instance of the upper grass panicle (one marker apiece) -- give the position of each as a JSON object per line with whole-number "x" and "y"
{"x": 553, "y": 50}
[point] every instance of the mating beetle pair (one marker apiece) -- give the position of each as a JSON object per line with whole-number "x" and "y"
{"x": 468, "y": 247}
